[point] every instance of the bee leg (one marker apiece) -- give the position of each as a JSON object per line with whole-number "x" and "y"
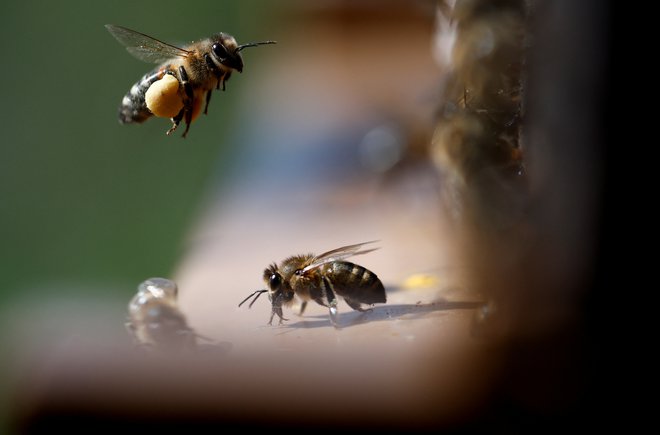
{"x": 332, "y": 301}
{"x": 188, "y": 101}
{"x": 221, "y": 81}
{"x": 278, "y": 311}
{"x": 303, "y": 305}
{"x": 208, "y": 100}
{"x": 176, "y": 121}
{"x": 224, "y": 80}
{"x": 188, "y": 117}
{"x": 218, "y": 73}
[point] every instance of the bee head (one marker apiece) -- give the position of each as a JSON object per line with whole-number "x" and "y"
{"x": 273, "y": 278}
{"x": 226, "y": 50}
{"x": 278, "y": 290}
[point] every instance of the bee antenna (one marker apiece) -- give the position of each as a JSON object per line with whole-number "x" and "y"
{"x": 253, "y": 44}
{"x": 257, "y": 293}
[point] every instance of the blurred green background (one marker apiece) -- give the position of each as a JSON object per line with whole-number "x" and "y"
{"x": 90, "y": 208}
{"x": 84, "y": 201}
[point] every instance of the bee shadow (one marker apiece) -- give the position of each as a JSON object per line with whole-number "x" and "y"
{"x": 383, "y": 313}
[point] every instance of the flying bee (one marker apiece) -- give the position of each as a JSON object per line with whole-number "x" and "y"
{"x": 185, "y": 78}
{"x": 154, "y": 318}
{"x": 321, "y": 278}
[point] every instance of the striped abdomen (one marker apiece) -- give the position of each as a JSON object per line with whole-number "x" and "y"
{"x": 133, "y": 107}
{"x": 354, "y": 282}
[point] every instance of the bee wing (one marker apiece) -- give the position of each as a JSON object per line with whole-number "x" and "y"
{"x": 145, "y": 47}
{"x": 338, "y": 254}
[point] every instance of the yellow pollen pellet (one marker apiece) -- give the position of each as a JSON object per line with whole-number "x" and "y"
{"x": 163, "y": 97}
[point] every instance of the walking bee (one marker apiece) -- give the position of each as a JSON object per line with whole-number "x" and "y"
{"x": 321, "y": 278}
{"x": 185, "y": 78}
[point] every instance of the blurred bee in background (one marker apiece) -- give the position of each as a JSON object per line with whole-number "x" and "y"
{"x": 185, "y": 78}
{"x": 478, "y": 144}
{"x": 154, "y": 318}
{"x": 321, "y": 278}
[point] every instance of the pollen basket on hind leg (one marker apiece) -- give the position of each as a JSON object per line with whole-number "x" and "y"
{"x": 163, "y": 98}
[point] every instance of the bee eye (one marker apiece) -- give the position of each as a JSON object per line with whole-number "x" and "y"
{"x": 220, "y": 51}
{"x": 275, "y": 281}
